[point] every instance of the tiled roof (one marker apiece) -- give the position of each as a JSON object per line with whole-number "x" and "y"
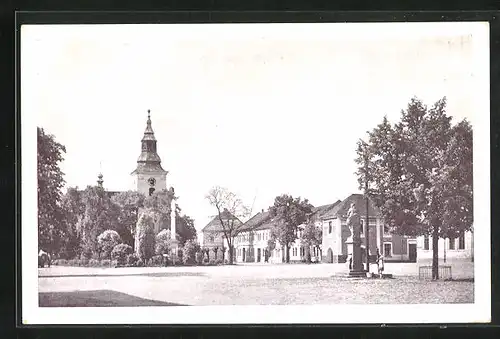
{"x": 341, "y": 209}
{"x": 214, "y": 224}
{"x": 256, "y": 221}
{"x": 319, "y": 211}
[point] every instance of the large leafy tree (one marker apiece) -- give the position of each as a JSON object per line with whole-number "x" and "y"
{"x": 230, "y": 211}
{"x": 159, "y": 204}
{"x": 129, "y": 203}
{"x": 420, "y": 173}
{"x": 185, "y": 227}
{"x": 73, "y": 209}
{"x": 100, "y": 214}
{"x": 312, "y": 237}
{"x": 107, "y": 240}
{"x": 51, "y": 226}
{"x": 288, "y": 213}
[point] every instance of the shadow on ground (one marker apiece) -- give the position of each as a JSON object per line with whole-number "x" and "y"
{"x": 152, "y": 275}
{"x": 99, "y": 298}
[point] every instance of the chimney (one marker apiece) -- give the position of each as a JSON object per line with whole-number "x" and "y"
{"x": 262, "y": 210}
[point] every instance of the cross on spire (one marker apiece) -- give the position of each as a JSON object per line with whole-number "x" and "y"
{"x": 149, "y": 114}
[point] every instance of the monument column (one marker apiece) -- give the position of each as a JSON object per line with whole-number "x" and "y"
{"x": 353, "y": 243}
{"x": 173, "y": 227}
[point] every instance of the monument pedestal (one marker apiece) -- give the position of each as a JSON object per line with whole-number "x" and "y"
{"x": 354, "y": 253}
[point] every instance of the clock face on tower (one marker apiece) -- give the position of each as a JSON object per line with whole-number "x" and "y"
{"x": 151, "y": 181}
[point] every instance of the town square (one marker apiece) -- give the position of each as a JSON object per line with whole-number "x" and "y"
{"x": 216, "y": 176}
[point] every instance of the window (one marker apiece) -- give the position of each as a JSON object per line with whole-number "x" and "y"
{"x": 302, "y": 251}
{"x": 461, "y": 241}
{"x": 211, "y": 238}
{"x": 329, "y": 227}
{"x": 426, "y": 242}
{"x": 151, "y": 191}
{"x": 452, "y": 243}
{"x": 362, "y": 228}
{"x": 387, "y": 249}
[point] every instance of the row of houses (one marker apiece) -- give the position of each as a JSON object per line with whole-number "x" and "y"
{"x": 251, "y": 244}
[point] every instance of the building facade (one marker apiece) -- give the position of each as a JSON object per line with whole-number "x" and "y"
{"x": 461, "y": 248}
{"x": 213, "y": 233}
{"x": 393, "y": 247}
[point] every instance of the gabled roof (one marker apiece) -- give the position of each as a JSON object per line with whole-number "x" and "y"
{"x": 256, "y": 221}
{"x": 319, "y": 211}
{"x": 341, "y": 209}
{"x": 215, "y": 225}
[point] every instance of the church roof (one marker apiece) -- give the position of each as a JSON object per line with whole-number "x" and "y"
{"x": 341, "y": 209}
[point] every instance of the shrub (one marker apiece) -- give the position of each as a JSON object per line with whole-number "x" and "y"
{"x": 211, "y": 262}
{"x": 205, "y": 261}
{"x": 157, "y": 260}
{"x": 120, "y": 253}
{"x": 107, "y": 240}
{"x": 218, "y": 261}
{"x": 140, "y": 263}
{"x": 163, "y": 242}
{"x": 83, "y": 262}
{"x": 132, "y": 260}
{"x": 189, "y": 252}
{"x": 114, "y": 263}
{"x": 199, "y": 258}
{"x": 105, "y": 262}
{"x": 94, "y": 263}
{"x": 72, "y": 262}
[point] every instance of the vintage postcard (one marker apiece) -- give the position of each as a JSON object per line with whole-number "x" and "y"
{"x": 255, "y": 173}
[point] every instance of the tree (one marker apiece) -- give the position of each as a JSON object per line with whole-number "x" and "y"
{"x": 420, "y": 173}
{"x": 312, "y": 236}
{"x": 159, "y": 204}
{"x": 216, "y": 250}
{"x": 230, "y": 209}
{"x": 185, "y": 227}
{"x": 288, "y": 213}
{"x": 51, "y": 226}
{"x": 100, "y": 215}
{"x": 163, "y": 242}
{"x": 73, "y": 209}
{"x": 129, "y": 203}
{"x": 144, "y": 236}
{"x": 107, "y": 240}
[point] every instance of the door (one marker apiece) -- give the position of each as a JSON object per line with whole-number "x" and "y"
{"x": 258, "y": 255}
{"x": 244, "y": 254}
{"x": 412, "y": 252}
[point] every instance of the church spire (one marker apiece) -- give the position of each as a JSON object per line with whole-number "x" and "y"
{"x": 99, "y": 180}
{"x": 149, "y": 160}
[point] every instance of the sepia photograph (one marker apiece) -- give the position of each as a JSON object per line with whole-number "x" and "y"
{"x": 257, "y": 173}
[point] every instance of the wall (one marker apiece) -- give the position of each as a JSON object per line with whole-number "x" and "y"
{"x": 444, "y": 246}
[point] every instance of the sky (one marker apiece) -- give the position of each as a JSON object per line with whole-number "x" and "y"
{"x": 262, "y": 109}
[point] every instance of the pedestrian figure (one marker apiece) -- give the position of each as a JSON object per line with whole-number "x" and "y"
{"x": 380, "y": 262}
{"x": 350, "y": 261}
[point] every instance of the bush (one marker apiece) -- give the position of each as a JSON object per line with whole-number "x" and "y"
{"x": 157, "y": 260}
{"x": 140, "y": 263}
{"x": 211, "y": 262}
{"x": 199, "y": 258}
{"x": 83, "y": 262}
{"x": 107, "y": 240}
{"x": 163, "y": 242}
{"x": 189, "y": 252}
{"x": 114, "y": 263}
{"x": 218, "y": 261}
{"x": 205, "y": 261}
{"x": 60, "y": 262}
{"x": 105, "y": 262}
{"x": 94, "y": 263}
{"x": 120, "y": 253}
{"x": 72, "y": 262}
{"x": 132, "y": 260}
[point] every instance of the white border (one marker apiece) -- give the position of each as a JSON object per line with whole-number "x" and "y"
{"x": 477, "y": 312}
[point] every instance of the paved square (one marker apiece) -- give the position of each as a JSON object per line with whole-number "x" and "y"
{"x": 249, "y": 284}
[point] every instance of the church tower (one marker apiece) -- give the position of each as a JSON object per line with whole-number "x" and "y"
{"x": 149, "y": 175}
